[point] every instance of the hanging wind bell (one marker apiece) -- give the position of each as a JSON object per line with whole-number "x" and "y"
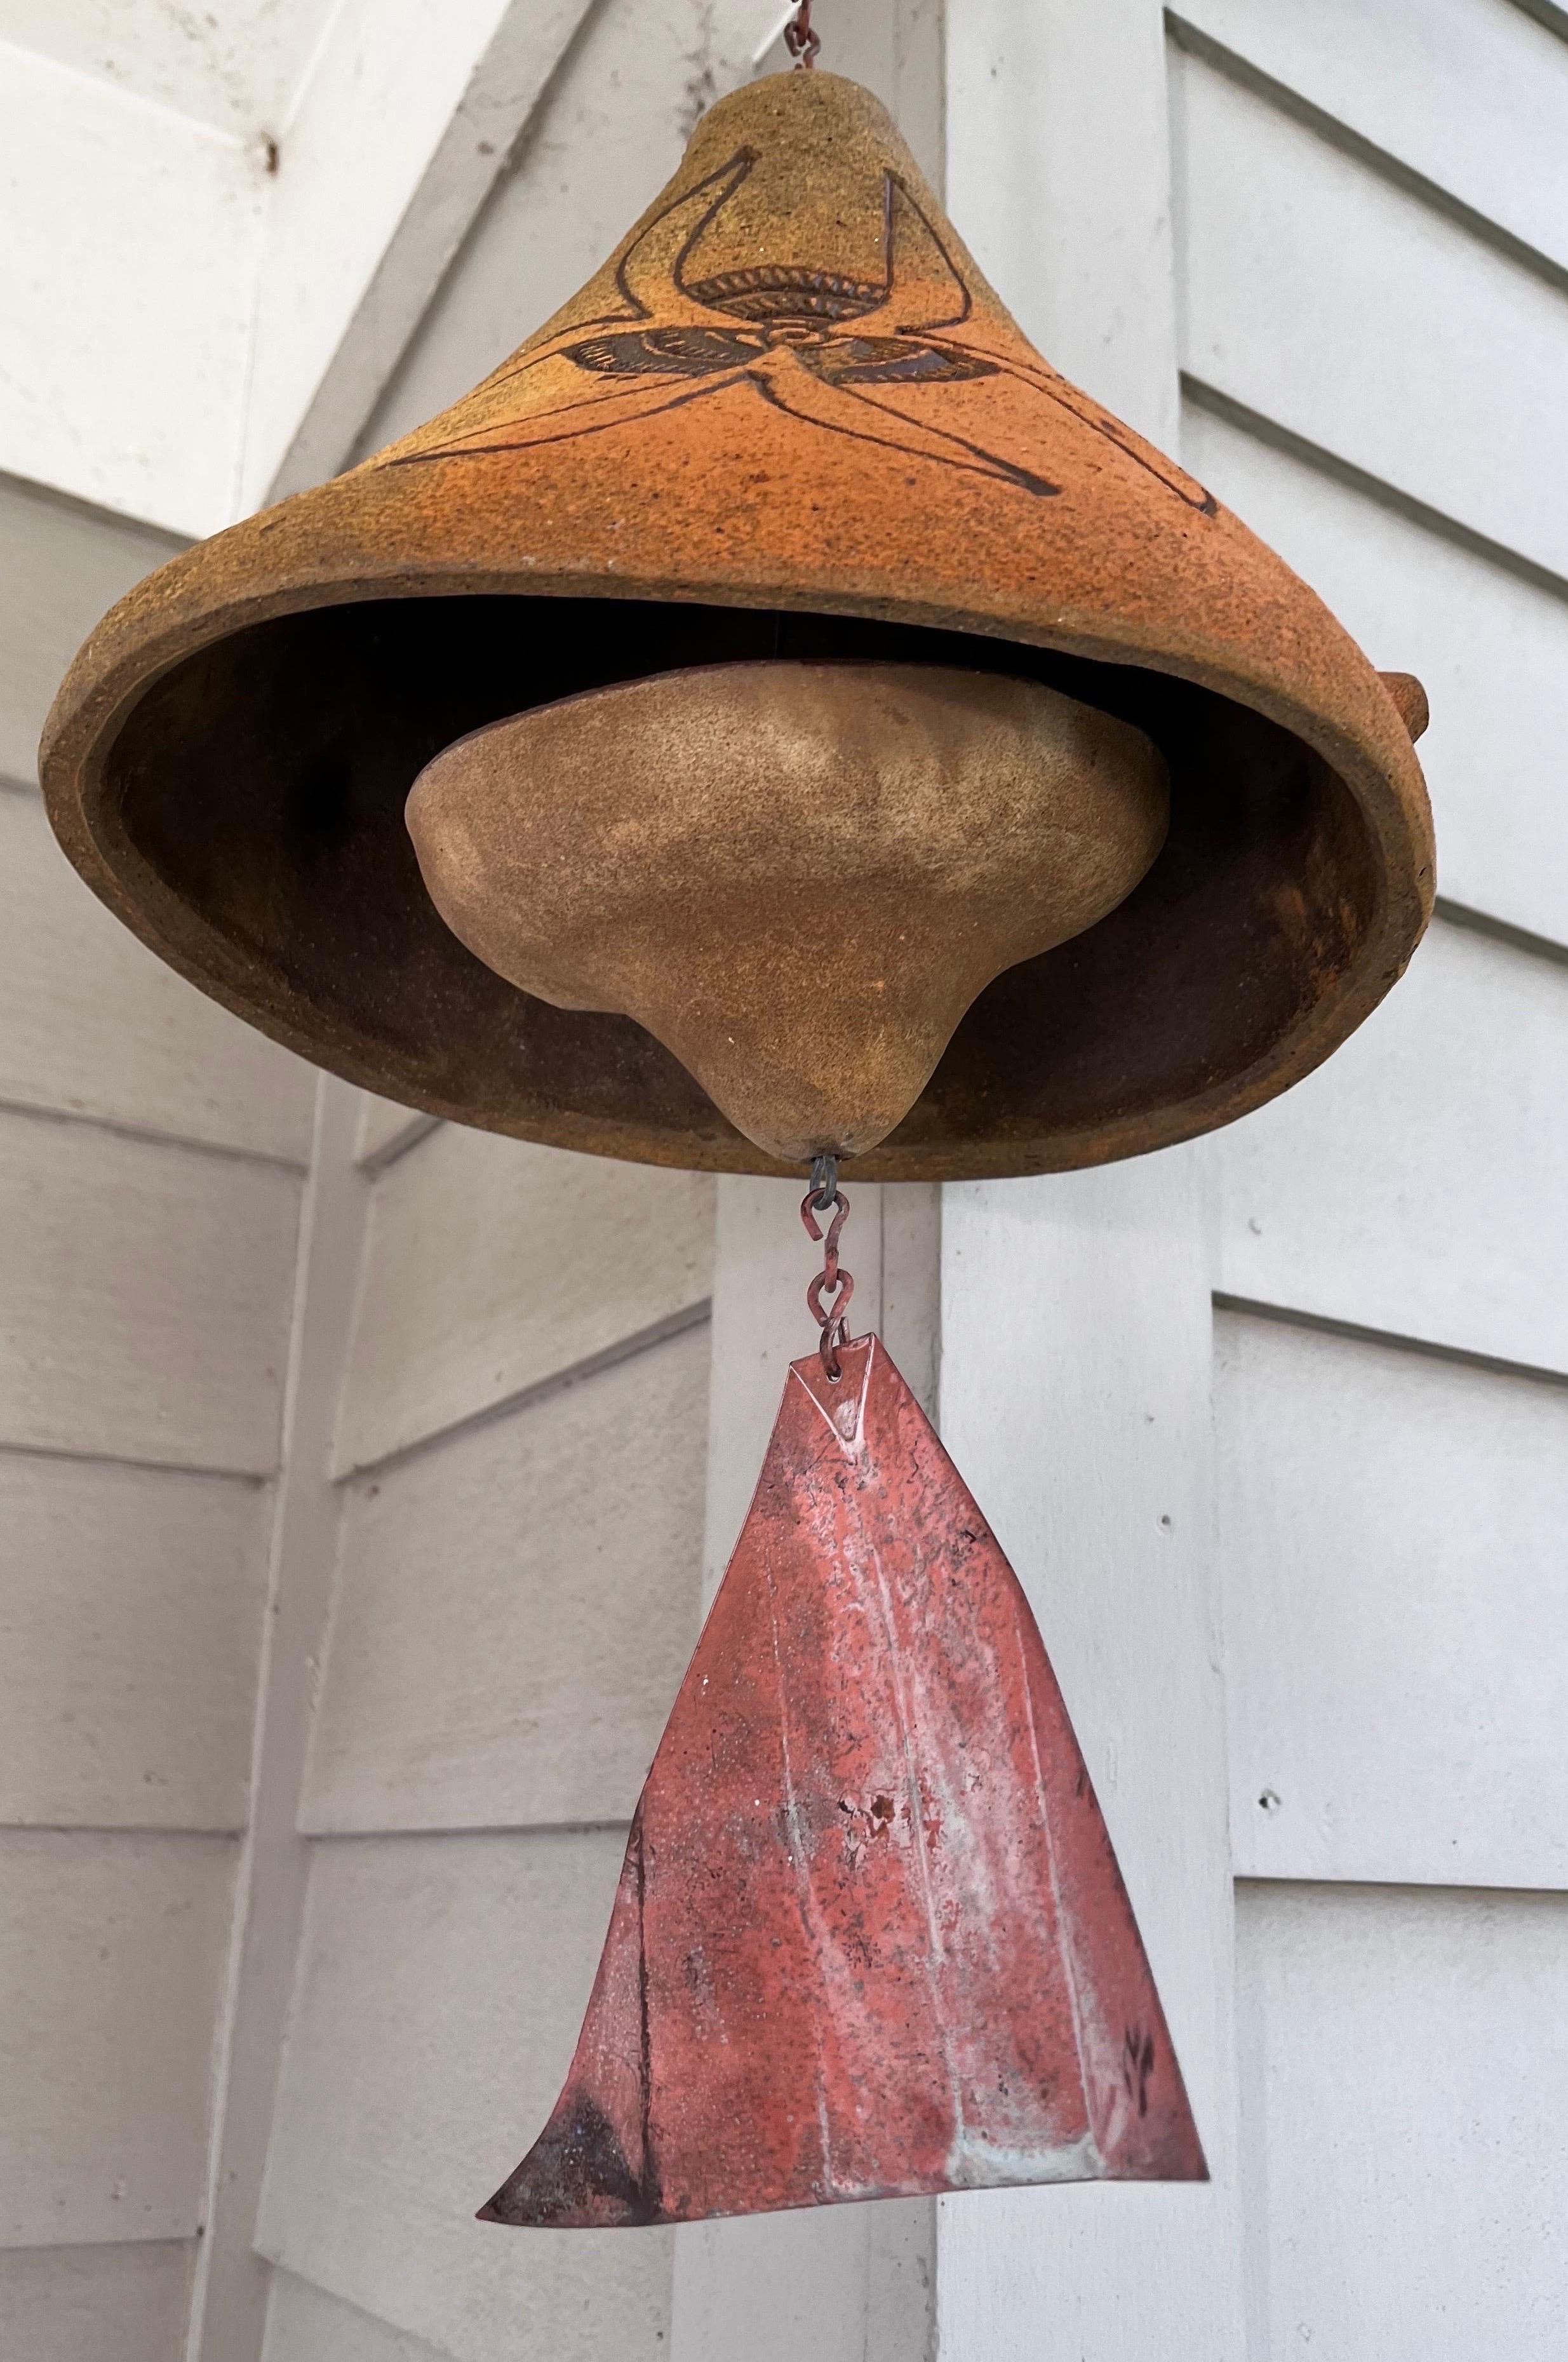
{"x": 823, "y": 731}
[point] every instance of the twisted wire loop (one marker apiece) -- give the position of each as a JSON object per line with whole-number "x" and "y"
{"x": 799, "y": 39}
{"x": 833, "y": 1281}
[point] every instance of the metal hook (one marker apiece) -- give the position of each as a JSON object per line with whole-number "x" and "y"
{"x": 799, "y": 39}
{"x": 839, "y": 1285}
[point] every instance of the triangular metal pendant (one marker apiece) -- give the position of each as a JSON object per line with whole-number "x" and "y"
{"x": 870, "y": 1939}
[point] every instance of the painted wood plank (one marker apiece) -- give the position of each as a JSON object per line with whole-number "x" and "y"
{"x": 92, "y": 1024}
{"x": 148, "y": 1292}
{"x": 234, "y": 70}
{"x": 441, "y": 1985}
{"x": 386, "y": 1129}
{"x": 1047, "y": 102}
{"x": 1391, "y": 1540}
{"x": 515, "y": 1609}
{"x": 229, "y": 2297}
{"x": 1414, "y": 1183}
{"x": 1322, "y": 296}
{"x": 60, "y": 566}
{"x": 130, "y": 1630}
{"x": 493, "y": 1265}
{"x": 112, "y": 1949}
{"x": 397, "y": 136}
{"x": 305, "y": 2325}
{"x": 94, "y": 2305}
{"x": 1470, "y": 93}
{"x": 1491, "y": 648}
{"x": 131, "y": 395}
{"x": 1076, "y": 1317}
{"x": 1077, "y": 1342}
{"x": 1404, "y": 2100}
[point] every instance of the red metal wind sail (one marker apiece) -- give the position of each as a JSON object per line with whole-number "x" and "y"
{"x": 870, "y": 1939}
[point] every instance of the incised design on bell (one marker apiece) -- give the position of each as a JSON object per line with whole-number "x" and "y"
{"x": 808, "y": 348}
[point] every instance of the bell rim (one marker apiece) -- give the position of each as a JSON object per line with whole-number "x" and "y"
{"x": 132, "y": 650}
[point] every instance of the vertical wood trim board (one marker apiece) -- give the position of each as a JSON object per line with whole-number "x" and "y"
{"x": 229, "y": 2312}
{"x": 1076, "y": 1320}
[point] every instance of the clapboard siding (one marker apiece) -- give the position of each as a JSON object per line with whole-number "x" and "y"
{"x": 441, "y": 1985}
{"x": 94, "y": 2305}
{"x": 147, "y": 1290}
{"x": 1391, "y": 1534}
{"x": 1470, "y": 94}
{"x": 1414, "y": 1183}
{"x": 1491, "y": 647}
{"x": 92, "y": 1023}
{"x": 130, "y": 1626}
{"x": 1405, "y": 2086}
{"x": 60, "y": 566}
{"x": 385, "y": 1128}
{"x": 111, "y": 1957}
{"x": 493, "y": 1265}
{"x": 305, "y": 2325}
{"x": 515, "y": 1609}
{"x": 1321, "y": 295}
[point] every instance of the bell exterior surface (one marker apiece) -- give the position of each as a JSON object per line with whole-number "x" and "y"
{"x": 788, "y": 420}
{"x": 870, "y": 1939}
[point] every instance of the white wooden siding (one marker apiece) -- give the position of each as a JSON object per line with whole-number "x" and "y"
{"x": 111, "y": 1958}
{"x": 305, "y": 2325}
{"x": 147, "y": 1283}
{"x": 1075, "y": 1340}
{"x": 131, "y": 1602}
{"x": 147, "y": 1290}
{"x": 96, "y": 1025}
{"x": 1489, "y": 641}
{"x": 1470, "y": 94}
{"x": 513, "y": 1665}
{"x": 1338, "y": 303}
{"x": 492, "y": 1265}
{"x": 1392, "y": 1533}
{"x": 1414, "y": 1183}
{"x": 1403, "y": 2092}
{"x": 515, "y": 1413}
{"x": 442, "y": 1981}
{"x": 1374, "y": 370}
{"x": 1075, "y": 1319}
{"x": 385, "y": 1128}
{"x": 162, "y": 230}
{"x": 94, "y": 2305}
{"x": 60, "y": 567}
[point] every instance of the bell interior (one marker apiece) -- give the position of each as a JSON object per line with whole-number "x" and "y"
{"x": 253, "y": 809}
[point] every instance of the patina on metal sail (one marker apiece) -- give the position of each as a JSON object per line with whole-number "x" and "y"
{"x": 870, "y": 1939}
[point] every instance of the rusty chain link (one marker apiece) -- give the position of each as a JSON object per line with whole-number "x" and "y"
{"x": 832, "y": 1280}
{"x": 799, "y": 39}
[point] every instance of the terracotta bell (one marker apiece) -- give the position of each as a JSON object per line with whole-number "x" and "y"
{"x": 820, "y": 726}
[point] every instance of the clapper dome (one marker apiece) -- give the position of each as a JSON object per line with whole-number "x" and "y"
{"x": 787, "y": 421}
